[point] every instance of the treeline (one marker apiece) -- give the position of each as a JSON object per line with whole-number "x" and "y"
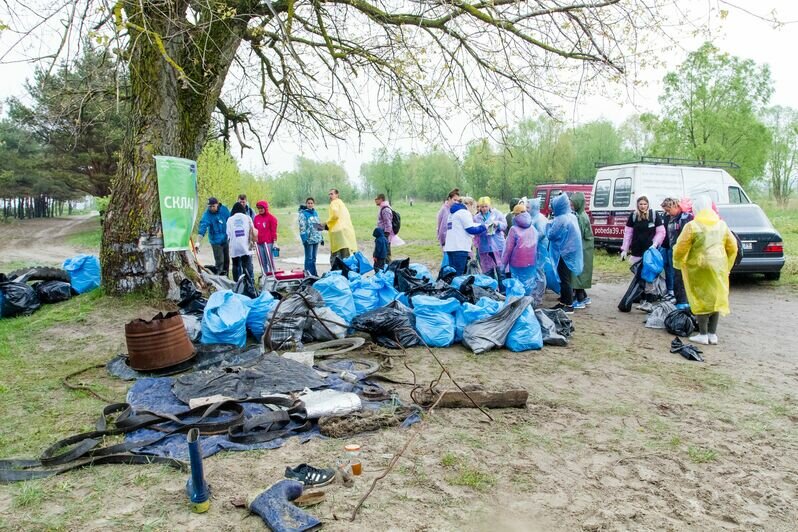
{"x": 62, "y": 143}
{"x": 714, "y": 108}
{"x": 312, "y": 179}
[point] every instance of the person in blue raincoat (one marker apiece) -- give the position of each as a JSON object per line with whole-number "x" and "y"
{"x": 490, "y": 244}
{"x": 214, "y": 222}
{"x": 540, "y": 223}
{"x": 565, "y": 249}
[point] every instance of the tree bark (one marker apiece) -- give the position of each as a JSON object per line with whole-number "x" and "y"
{"x": 170, "y": 115}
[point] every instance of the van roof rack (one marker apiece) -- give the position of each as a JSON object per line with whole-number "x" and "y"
{"x": 675, "y": 161}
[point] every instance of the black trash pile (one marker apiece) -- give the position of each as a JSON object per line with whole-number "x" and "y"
{"x": 23, "y": 292}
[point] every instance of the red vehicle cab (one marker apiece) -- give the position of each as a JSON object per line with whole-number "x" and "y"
{"x": 549, "y": 191}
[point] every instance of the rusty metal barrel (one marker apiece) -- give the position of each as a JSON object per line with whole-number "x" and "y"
{"x": 158, "y": 343}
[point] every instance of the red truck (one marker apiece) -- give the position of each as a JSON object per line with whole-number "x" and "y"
{"x": 549, "y": 191}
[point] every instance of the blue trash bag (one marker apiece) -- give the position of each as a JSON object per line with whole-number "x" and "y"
{"x": 422, "y": 272}
{"x": 337, "y": 294}
{"x": 513, "y": 288}
{"x": 653, "y": 263}
{"x": 436, "y": 319}
{"x": 260, "y": 308}
{"x": 484, "y": 308}
{"x": 224, "y": 320}
{"x": 480, "y": 279}
{"x": 383, "y": 283}
{"x": 358, "y": 263}
{"x": 552, "y": 279}
{"x": 84, "y": 272}
{"x": 525, "y": 334}
{"x": 365, "y": 293}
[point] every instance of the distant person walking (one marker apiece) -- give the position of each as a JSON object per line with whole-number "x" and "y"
{"x": 460, "y": 231}
{"x": 385, "y": 220}
{"x": 310, "y": 232}
{"x": 490, "y": 244}
{"x": 241, "y": 235}
{"x": 705, "y": 252}
{"x": 443, "y": 214}
{"x": 584, "y": 280}
{"x": 339, "y": 226}
{"x": 242, "y": 199}
{"x": 214, "y": 222}
{"x": 266, "y": 225}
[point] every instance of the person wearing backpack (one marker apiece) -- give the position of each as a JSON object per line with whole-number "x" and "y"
{"x": 644, "y": 228}
{"x": 385, "y": 220}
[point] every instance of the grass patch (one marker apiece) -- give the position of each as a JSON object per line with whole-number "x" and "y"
{"x": 29, "y": 494}
{"x": 473, "y": 478}
{"x": 89, "y": 239}
{"x": 449, "y": 460}
{"x": 702, "y": 455}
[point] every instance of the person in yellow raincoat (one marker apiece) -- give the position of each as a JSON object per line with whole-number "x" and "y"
{"x": 339, "y": 225}
{"x": 705, "y": 253}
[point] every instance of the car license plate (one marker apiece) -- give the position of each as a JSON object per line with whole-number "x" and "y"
{"x": 748, "y": 246}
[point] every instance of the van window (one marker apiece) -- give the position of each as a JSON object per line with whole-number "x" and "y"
{"x": 602, "y": 197}
{"x": 542, "y": 196}
{"x": 736, "y": 196}
{"x": 623, "y": 192}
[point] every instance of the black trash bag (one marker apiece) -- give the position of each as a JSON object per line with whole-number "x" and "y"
{"x": 399, "y": 264}
{"x": 53, "y": 291}
{"x": 549, "y": 330}
{"x": 18, "y": 299}
{"x": 635, "y": 291}
{"x": 564, "y": 325}
{"x": 287, "y": 324}
{"x": 681, "y": 322}
{"x": 473, "y": 293}
{"x": 191, "y": 300}
{"x": 488, "y": 333}
{"x": 447, "y": 274}
{"x": 340, "y": 265}
{"x": 246, "y": 286}
{"x": 405, "y": 280}
{"x": 688, "y": 351}
{"x": 392, "y": 326}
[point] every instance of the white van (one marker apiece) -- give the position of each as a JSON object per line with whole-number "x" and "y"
{"x": 617, "y": 186}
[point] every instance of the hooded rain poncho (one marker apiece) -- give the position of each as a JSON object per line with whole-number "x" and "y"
{"x": 584, "y": 279}
{"x": 490, "y": 246}
{"x": 339, "y": 225}
{"x": 705, "y": 253}
{"x": 565, "y": 238}
{"x": 520, "y": 252}
{"x": 540, "y": 222}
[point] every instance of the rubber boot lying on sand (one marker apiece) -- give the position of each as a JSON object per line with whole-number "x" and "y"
{"x": 196, "y": 487}
{"x": 274, "y": 506}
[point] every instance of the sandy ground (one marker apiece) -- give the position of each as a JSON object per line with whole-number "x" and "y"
{"x": 618, "y": 434}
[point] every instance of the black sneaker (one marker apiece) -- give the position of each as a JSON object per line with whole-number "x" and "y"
{"x": 310, "y": 476}
{"x": 568, "y": 309}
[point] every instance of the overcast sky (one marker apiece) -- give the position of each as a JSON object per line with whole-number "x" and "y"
{"x": 743, "y": 33}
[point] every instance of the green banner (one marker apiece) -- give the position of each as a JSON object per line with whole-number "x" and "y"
{"x": 177, "y": 189}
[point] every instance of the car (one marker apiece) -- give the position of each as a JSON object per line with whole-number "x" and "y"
{"x": 762, "y": 245}
{"x": 549, "y": 191}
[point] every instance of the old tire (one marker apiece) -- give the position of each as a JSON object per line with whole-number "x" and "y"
{"x": 39, "y": 273}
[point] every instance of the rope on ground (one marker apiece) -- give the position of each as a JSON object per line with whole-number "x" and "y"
{"x": 388, "y": 469}
{"x": 83, "y": 387}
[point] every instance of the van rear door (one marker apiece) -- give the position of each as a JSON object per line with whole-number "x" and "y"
{"x": 611, "y": 190}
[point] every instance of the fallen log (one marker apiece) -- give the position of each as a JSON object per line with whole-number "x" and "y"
{"x": 463, "y": 399}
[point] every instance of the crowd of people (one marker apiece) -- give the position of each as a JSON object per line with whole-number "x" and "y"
{"x": 239, "y": 233}
{"x": 697, "y": 248}
{"x": 521, "y": 243}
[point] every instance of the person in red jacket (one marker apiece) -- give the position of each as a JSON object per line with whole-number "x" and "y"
{"x": 266, "y": 225}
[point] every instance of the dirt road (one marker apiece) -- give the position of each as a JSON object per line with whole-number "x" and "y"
{"x": 41, "y": 241}
{"x": 618, "y": 434}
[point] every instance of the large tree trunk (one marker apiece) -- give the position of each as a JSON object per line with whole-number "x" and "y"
{"x": 170, "y": 115}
